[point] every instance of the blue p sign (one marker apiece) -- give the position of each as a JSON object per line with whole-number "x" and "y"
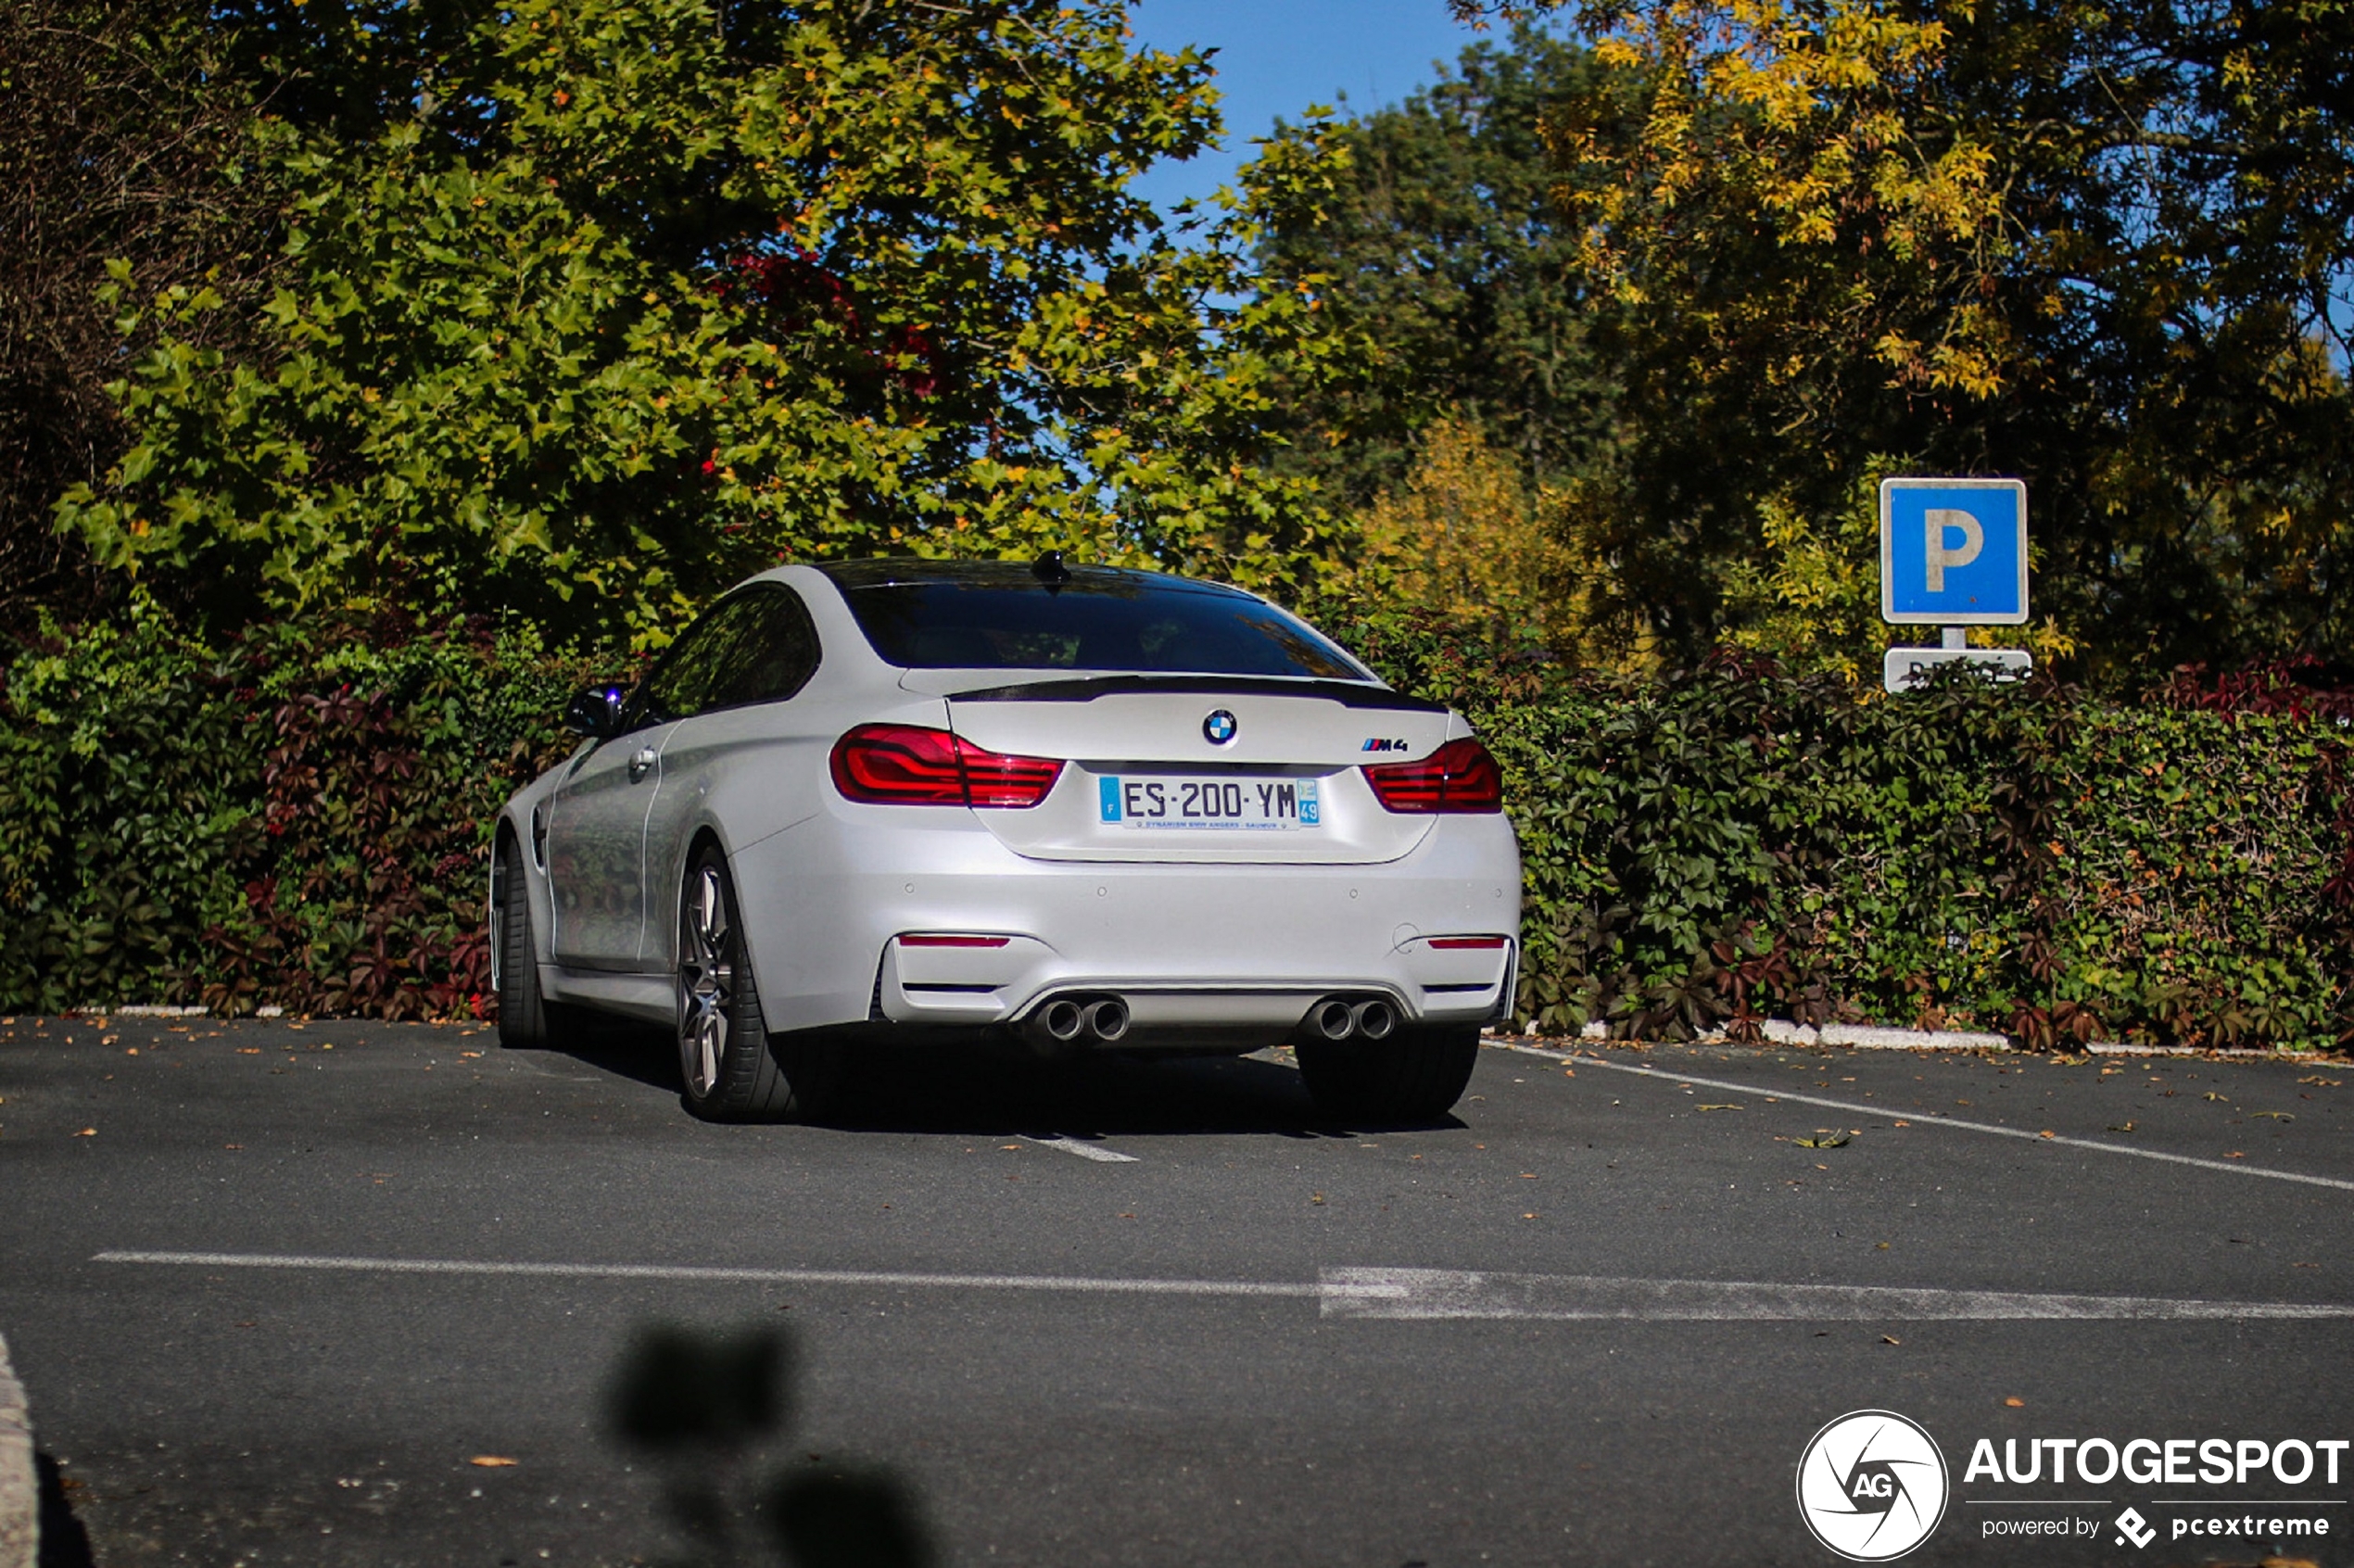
{"x": 1953, "y": 552}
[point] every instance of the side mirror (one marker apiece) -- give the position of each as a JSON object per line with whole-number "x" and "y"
{"x": 595, "y": 712}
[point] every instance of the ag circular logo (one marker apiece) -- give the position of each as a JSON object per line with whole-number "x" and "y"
{"x": 1219, "y": 728}
{"x": 1871, "y": 1486}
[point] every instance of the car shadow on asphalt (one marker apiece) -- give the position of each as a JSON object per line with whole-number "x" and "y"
{"x": 996, "y": 1093}
{"x": 614, "y": 1045}
{"x": 1006, "y": 1091}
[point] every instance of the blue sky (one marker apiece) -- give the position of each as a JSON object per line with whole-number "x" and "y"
{"x": 1277, "y": 56}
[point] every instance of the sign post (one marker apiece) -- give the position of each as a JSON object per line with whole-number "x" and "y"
{"x": 1953, "y": 553}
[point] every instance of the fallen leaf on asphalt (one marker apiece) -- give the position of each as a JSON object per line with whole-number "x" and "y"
{"x": 87, "y": 1132}
{"x": 2047, "y": 1132}
{"x": 1720, "y": 1107}
{"x": 1128, "y": 1217}
{"x": 1879, "y": 1246}
{"x": 2276, "y": 1115}
{"x": 2211, "y": 1095}
{"x": 233, "y": 1145}
{"x": 1825, "y": 1141}
{"x": 2236, "y": 1154}
{"x": 2319, "y": 1082}
{"x": 491, "y": 1462}
{"x": 1904, "y": 1124}
{"x": 248, "y": 1050}
{"x": 1890, "y": 1339}
{"x": 2015, "y": 1402}
{"x": 2124, "y": 1127}
{"x": 1528, "y": 1216}
{"x": 1015, "y": 1146}
{"x": 1316, "y": 1197}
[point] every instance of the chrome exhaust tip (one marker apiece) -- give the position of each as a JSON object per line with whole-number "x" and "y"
{"x": 1335, "y": 1020}
{"x": 1061, "y": 1021}
{"x": 1373, "y": 1020}
{"x": 1107, "y": 1019}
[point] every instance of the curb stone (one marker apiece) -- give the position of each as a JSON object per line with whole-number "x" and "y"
{"x": 1870, "y": 1038}
{"x": 20, "y": 1497}
{"x": 1873, "y": 1037}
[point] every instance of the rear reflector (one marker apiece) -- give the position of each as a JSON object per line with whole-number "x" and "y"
{"x": 1456, "y": 944}
{"x": 952, "y": 942}
{"x": 1459, "y": 777}
{"x": 908, "y": 765}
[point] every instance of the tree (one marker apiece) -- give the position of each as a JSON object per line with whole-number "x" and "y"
{"x": 2106, "y": 249}
{"x": 590, "y": 309}
{"x": 121, "y": 138}
{"x": 1441, "y": 248}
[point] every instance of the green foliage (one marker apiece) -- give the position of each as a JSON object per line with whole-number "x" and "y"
{"x": 263, "y": 822}
{"x": 122, "y": 139}
{"x": 1440, "y": 245}
{"x": 590, "y": 310}
{"x": 1736, "y": 842}
{"x": 266, "y": 822}
{"x": 2101, "y": 248}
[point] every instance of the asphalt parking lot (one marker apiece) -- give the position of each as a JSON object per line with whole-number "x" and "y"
{"x": 274, "y": 1287}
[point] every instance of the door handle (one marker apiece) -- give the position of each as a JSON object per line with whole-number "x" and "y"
{"x": 638, "y": 763}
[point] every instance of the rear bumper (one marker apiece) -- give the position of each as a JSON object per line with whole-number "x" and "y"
{"x": 1195, "y": 950}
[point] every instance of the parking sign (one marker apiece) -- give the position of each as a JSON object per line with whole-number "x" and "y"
{"x": 1953, "y": 552}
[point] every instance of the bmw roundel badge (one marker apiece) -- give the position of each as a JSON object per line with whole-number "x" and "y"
{"x": 1219, "y": 728}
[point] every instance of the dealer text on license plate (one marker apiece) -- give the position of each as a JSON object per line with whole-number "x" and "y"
{"x": 1244, "y": 804}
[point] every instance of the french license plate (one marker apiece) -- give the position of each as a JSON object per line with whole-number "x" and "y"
{"x": 1264, "y": 805}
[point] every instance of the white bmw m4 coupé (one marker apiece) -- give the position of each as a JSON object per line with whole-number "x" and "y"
{"x": 1087, "y": 809}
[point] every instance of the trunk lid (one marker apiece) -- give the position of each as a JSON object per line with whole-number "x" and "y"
{"x": 1145, "y": 781}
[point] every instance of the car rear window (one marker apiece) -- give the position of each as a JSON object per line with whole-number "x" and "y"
{"x": 982, "y": 618}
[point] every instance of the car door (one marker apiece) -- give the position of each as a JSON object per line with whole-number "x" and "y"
{"x": 764, "y": 651}
{"x": 597, "y": 825}
{"x": 595, "y": 851}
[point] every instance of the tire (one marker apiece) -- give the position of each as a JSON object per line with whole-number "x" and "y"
{"x": 1411, "y": 1078}
{"x": 730, "y": 1068}
{"x": 527, "y": 1020}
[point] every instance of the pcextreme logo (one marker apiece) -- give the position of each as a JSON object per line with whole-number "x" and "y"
{"x": 1872, "y": 1486}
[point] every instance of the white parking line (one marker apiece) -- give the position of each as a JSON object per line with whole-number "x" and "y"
{"x": 693, "y": 1273}
{"x": 1447, "y": 1292}
{"x": 1379, "y": 1293}
{"x": 1080, "y": 1146}
{"x": 1934, "y": 1119}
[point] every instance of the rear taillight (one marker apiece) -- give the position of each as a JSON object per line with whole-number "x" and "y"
{"x": 906, "y": 765}
{"x": 1459, "y": 776}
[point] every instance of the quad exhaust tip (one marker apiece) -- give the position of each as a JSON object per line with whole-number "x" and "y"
{"x": 1066, "y": 1019}
{"x": 1339, "y": 1017}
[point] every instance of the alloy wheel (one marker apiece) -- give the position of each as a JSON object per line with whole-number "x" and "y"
{"x": 706, "y": 981}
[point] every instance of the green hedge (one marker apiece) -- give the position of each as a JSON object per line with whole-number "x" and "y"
{"x": 297, "y": 819}
{"x": 1736, "y": 843}
{"x": 271, "y": 822}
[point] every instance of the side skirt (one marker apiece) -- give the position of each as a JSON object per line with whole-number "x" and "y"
{"x": 647, "y": 998}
